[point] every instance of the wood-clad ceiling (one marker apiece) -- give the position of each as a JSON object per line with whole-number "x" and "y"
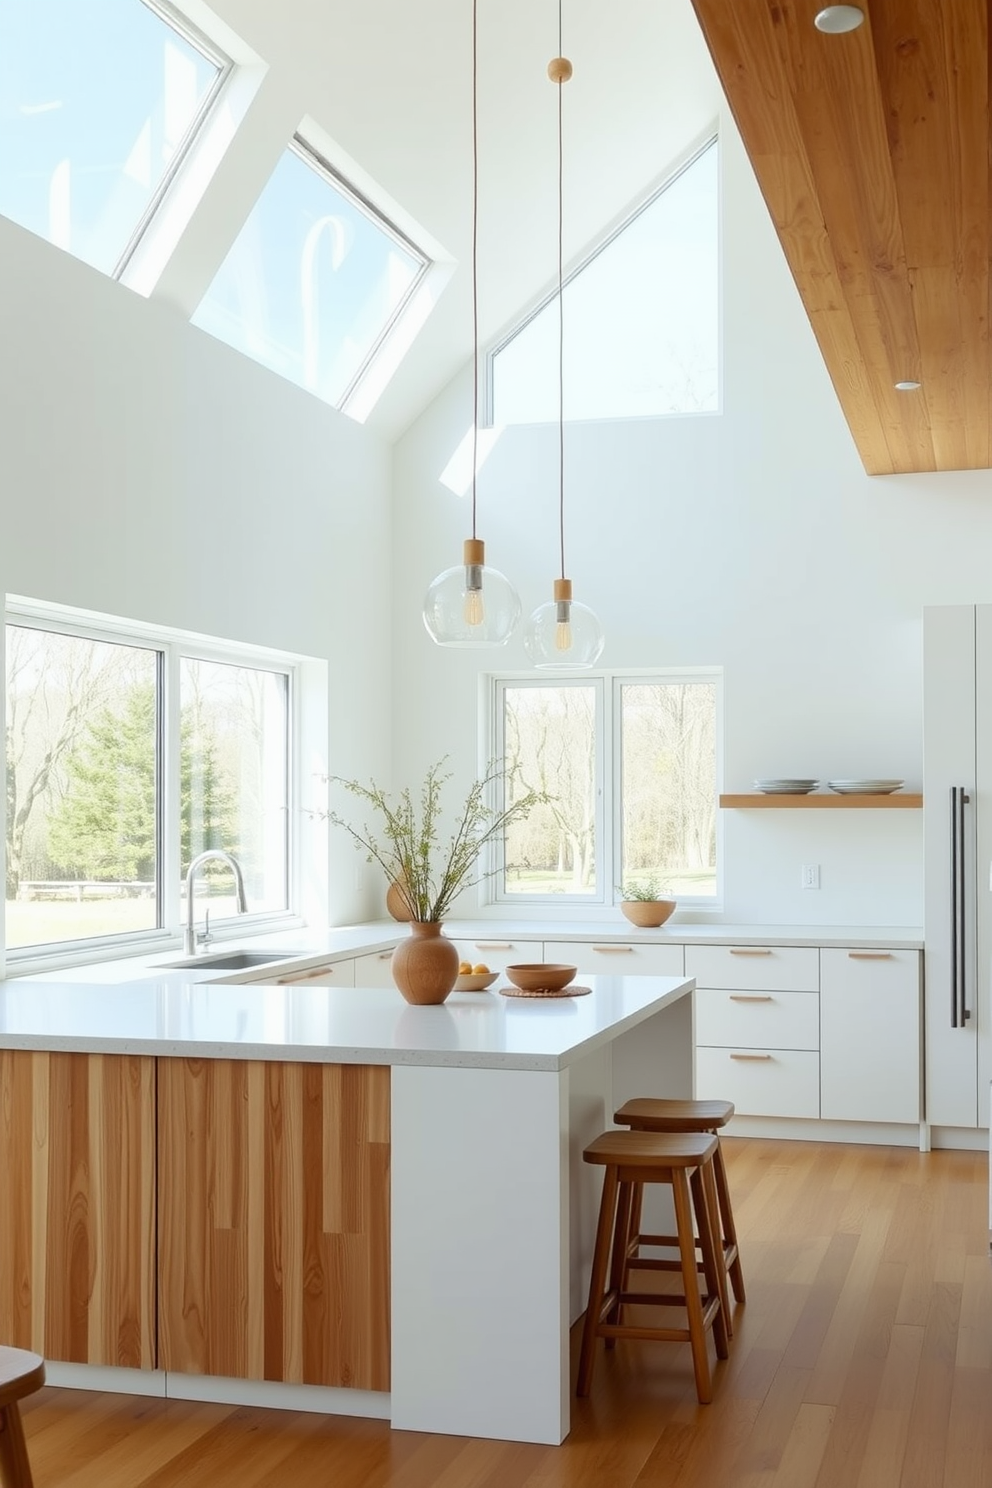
{"x": 872, "y": 151}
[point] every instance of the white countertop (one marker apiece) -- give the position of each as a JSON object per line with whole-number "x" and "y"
{"x": 167, "y": 1017}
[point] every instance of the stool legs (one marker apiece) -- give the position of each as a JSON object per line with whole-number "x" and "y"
{"x": 597, "y": 1282}
{"x": 725, "y": 1219}
{"x": 15, "y": 1470}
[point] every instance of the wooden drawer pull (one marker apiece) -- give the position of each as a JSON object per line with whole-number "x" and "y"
{"x": 306, "y": 976}
{"x": 494, "y": 945}
{"x": 750, "y": 997}
{"x": 385, "y": 955}
{"x": 870, "y": 955}
{"x": 750, "y": 1056}
{"x": 615, "y": 950}
{"x": 749, "y": 951}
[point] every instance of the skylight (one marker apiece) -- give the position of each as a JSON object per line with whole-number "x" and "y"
{"x": 314, "y": 282}
{"x": 641, "y": 333}
{"x": 98, "y": 103}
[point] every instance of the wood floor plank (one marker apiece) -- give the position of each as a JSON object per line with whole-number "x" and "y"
{"x": 861, "y": 1359}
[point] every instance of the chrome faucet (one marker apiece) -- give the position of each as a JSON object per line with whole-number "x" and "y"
{"x": 205, "y": 857}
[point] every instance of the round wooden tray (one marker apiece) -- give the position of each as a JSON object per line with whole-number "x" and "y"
{"x": 571, "y": 991}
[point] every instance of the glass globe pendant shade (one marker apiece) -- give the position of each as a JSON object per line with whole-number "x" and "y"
{"x": 563, "y": 635}
{"x": 471, "y": 605}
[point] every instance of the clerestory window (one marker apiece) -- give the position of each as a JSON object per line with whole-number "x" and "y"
{"x": 99, "y": 102}
{"x": 315, "y": 281}
{"x": 641, "y": 318}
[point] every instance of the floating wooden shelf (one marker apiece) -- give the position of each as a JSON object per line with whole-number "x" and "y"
{"x": 904, "y": 800}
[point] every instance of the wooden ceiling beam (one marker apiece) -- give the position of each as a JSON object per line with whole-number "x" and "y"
{"x": 872, "y": 152}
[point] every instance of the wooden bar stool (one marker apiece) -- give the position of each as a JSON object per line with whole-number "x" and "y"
{"x": 685, "y": 1163}
{"x": 691, "y": 1116}
{"x": 21, "y": 1374}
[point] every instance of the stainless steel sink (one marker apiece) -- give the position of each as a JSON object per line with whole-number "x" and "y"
{"x": 232, "y": 961}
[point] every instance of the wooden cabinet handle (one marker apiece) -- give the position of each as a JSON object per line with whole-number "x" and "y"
{"x": 750, "y": 1056}
{"x": 749, "y": 951}
{"x": 870, "y": 955}
{"x": 615, "y": 950}
{"x": 750, "y": 997}
{"x": 306, "y": 976}
{"x": 385, "y": 955}
{"x": 494, "y": 945}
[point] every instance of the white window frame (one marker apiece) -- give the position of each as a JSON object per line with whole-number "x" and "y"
{"x": 609, "y": 760}
{"x": 172, "y": 645}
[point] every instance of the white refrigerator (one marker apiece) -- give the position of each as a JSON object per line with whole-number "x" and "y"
{"x": 957, "y": 806}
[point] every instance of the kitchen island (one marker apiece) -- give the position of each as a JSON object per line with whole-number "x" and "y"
{"x": 317, "y": 1197}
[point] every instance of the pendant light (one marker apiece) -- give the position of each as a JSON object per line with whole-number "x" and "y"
{"x": 562, "y": 635}
{"x": 472, "y": 604}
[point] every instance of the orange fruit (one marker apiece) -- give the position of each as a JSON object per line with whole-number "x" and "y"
{"x": 481, "y": 969}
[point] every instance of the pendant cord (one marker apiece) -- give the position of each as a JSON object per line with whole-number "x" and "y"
{"x": 561, "y": 325}
{"x": 475, "y": 255}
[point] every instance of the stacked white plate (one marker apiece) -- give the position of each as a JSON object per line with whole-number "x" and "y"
{"x": 865, "y": 787}
{"x": 786, "y": 787}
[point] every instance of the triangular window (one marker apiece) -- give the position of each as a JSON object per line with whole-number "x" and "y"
{"x": 641, "y": 321}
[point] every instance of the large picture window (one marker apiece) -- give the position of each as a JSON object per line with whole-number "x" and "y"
{"x": 127, "y": 757}
{"x": 631, "y": 769}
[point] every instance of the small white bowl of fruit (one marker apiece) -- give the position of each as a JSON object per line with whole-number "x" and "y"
{"x": 474, "y": 978}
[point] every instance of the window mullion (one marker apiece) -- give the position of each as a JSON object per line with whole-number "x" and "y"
{"x": 170, "y": 795}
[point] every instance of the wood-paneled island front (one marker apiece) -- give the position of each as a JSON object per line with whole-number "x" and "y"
{"x": 316, "y": 1197}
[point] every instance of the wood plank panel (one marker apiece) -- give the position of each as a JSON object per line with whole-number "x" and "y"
{"x": 77, "y": 1165}
{"x": 871, "y": 151}
{"x": 274, "y": 1221}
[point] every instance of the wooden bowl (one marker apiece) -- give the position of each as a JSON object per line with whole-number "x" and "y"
{"x": 475, "y": 981}
{"x": 648, "y": 913}
{"x": 540, "y": 976}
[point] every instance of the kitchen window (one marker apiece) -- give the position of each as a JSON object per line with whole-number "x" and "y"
{"x": 128, "y": 755}
{"x": 631, "y": 767}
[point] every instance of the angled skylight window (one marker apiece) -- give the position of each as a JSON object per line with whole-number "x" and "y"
{"x": 641, "y": 323}
{"x": 315, "y": 280}
{"x": 99, "y": 100}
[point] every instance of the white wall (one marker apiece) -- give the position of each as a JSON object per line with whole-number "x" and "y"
{"x": 149, "y": 471}
{"x": 752, "y": 540}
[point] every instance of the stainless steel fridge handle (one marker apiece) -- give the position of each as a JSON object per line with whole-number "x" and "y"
{"x": 960, "y": 1012}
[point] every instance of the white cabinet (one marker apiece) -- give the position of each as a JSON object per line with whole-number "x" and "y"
{"x": 617, "y": 958}
{"x": 497, "y": 951}
{"x": 331, "y": 974}
{"x": 957, "y": 831}
{"x": 870, "y": 1035}
{"x": 758, "y": 1027}
{"x": 374, "y": 969}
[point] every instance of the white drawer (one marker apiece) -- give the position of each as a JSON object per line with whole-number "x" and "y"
{"x": 374, "y": 969}
{"x": 758, "y": 1020}
{"x": 761, "y": 1082}
{"x": 755, "y": 968}
{"x": 332, "y": 974}
{"x": 617, "y": 958}
{"x": 871, "y": 972}
{"x": 496, "y": 952}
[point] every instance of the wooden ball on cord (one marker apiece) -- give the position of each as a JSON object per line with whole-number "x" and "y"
{"x": 559, "y": 69}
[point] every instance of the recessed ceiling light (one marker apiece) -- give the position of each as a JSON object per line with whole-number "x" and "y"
{"x": 905, "y": 387}
{"x": 836, "y": 19}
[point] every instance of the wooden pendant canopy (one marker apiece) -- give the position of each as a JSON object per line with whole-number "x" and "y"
{"x": 872, "y": 151}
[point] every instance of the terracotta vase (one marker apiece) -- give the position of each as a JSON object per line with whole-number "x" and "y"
{"x": 425, "y": 966}
{"x": 396, "y": 904}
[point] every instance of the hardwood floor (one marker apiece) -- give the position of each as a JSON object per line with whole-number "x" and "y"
{"x": 862, "y": 1359}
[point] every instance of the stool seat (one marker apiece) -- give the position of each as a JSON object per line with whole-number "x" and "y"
{"x": 674, "y": 1115}
{"x": 684, "y": 1161}
{"x": 656, "y": 1115}
{"x": 649, "y": 1149}
{"x": 21, "y": 1373}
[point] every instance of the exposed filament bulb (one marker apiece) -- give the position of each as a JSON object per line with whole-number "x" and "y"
{"x": 474, "y": 609}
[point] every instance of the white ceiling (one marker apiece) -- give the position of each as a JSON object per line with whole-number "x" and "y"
{"x": 389, "y": 81}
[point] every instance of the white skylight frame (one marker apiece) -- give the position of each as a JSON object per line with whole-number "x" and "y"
{"x": 225, "y": 68}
